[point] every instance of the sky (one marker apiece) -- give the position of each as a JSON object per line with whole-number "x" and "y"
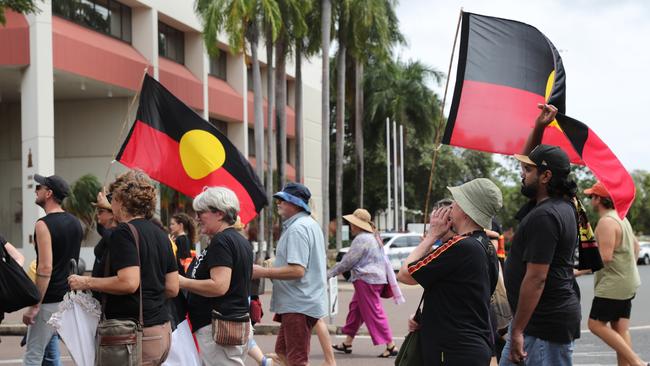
{"x": 604, "y": 44}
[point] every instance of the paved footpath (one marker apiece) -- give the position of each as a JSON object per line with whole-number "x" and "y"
{"x": 589, "y": 349}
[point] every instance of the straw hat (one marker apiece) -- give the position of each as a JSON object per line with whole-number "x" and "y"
{"x": 480, "y": 199}
{"x": 360, "y": 218}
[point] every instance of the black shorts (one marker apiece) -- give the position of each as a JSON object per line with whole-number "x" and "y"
{"x": 608, "y": 310}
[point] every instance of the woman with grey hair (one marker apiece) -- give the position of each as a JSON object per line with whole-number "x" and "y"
{"x": 458, "y": 277}
{"x": 219, "y": 284}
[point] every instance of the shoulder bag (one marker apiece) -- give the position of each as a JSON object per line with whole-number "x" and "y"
{"x": 119, "y": 341}
{"x": 410, "y": 353}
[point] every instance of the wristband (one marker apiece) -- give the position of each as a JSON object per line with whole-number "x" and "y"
{"x": 437, "y": 243}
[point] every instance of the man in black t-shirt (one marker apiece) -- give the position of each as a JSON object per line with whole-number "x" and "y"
{"x": 539, "y": 276}
{"x": 57, "y": 238}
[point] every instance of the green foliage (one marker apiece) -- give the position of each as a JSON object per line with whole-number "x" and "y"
{"x": 235, "y": 18}
{"x": 19, "y": 6}
{"x": 639, "y": 214}
{"x": 79, "y": 203}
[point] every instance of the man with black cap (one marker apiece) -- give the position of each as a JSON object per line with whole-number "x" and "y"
{"x": 57, "y": 238}
{"x": 299, "y": 275}
{"x": 539, "y": 276}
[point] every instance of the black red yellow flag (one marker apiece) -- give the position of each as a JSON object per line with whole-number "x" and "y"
{"x": 177, "y": 147}
{"x": 505, "y": 68}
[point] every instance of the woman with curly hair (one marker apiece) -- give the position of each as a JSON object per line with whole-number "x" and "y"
{"x": 133, "y": 199}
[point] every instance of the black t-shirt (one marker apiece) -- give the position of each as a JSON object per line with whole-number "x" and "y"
{"x": 99, "y": 266}
{"x": 458, "y": 279}
{"x": 547, "y": 235}
{"x": 182, "y": 247}
{"x": 157, "y": 260}
{"x": 228, "y": 249}
{"x": 66, "y": 234}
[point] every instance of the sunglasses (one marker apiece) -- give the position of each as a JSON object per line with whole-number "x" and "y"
{"x": 109, "y": 197}
{"x": 39, "y": 187}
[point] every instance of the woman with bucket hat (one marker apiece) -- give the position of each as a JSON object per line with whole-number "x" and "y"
{"x": 367, "y": 265}
{"x": 458, "y": 277}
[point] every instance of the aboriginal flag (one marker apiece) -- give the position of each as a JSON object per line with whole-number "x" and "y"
{"x": 505, "y": 68}
{"x": 177, "y": 147}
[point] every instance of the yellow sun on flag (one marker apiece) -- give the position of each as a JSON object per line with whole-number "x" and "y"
{"x": 549, "y": 88}
{"x": 201, "y": 153}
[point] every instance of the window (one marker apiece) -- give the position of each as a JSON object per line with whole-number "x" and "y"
{"x": 401, "y": 242}
{"x": 171, "y": 43}
{"x": 414, "y": 241}
{"x": 251, "y": 142}
{"x": 222, "y": 126}
{"x": 105, "y": 16}
{"x": 219, "y": 65}
{"x": 249, "y": 77}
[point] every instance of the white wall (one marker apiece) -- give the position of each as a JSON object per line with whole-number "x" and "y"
{"x": 87, "y": 133}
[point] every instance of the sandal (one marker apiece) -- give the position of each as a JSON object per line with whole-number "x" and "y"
{"x": 392, "y": 351}
{"x": 346, "y": 348}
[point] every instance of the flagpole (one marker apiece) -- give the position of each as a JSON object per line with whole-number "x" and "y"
{"x": 124, "y": 123}
{"x": 396, "y": 200}
{"x": 388, "y": 214}
{"x": 442, "y": 115}
{"x": 401, "y": 166}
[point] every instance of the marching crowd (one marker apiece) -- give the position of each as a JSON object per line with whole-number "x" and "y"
{"x": 142, "y": 275}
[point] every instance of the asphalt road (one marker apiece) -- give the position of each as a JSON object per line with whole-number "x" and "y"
{"x": 589, "y": 350}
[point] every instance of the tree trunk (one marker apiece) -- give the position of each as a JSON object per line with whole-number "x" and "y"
{"x": 298, "y": 109}
{"x": 326, "y": 24}
{"x": 358, "y": 126}
{"x": 340, "y": 133}
{"x": 258, "y": 112}
{"x": 281, "y": 103}
{"x": 270, "y": 141}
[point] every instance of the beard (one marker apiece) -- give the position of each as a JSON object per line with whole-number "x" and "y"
{"x": 530, "y": 190}
{"x": 40, "y": 202}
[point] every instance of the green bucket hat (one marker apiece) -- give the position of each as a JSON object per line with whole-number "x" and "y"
{"x": 480, "y": 199}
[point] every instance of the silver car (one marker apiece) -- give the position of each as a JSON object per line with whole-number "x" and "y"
{"x": 644, "y": 253}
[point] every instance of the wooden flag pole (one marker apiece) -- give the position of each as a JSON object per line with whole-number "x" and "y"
{"x": 124, "y": 123}
{"x": 442, "y": 114}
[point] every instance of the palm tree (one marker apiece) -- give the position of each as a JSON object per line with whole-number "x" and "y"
{"x": 240, "y": 20}
{"x": 79, "y": 203}
{"x": 374, "y": 32}
{"x": 19, "y": 6}
{"x": 307, "y": 44}
{"x": 270, "y": 135}
{"x": 293, "y": 23}
{"x": 326, "y": 25}
{"x": 343, "y": 14}
{"x": 399, "y": 90}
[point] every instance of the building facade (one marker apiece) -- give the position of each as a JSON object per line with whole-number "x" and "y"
{"x": 68, "y": 76}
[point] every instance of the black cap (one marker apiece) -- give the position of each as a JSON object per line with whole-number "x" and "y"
{"x": 56, "y": 184}
{"x": 548, "y": 157}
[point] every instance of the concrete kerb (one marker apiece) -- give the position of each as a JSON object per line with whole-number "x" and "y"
{"x": 260, "y": 329}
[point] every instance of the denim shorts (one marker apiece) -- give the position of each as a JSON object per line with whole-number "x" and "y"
{"x": 540, "y": 353}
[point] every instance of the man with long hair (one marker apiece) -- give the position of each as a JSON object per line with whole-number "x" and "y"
{"x": 539, "y": 276}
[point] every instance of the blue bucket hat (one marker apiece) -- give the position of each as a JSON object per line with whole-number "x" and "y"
{"x": 297, "y": 194}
